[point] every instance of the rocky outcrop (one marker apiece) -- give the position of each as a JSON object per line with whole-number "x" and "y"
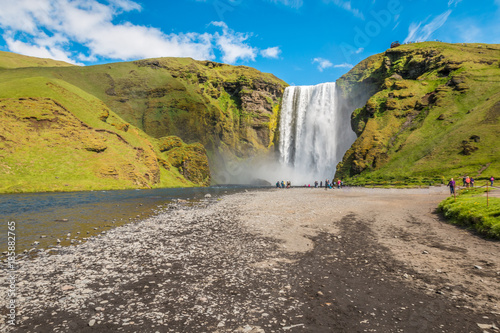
{"x": 191, "y": 160}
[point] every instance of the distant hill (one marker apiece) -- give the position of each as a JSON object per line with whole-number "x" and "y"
{"x": 13, "y": 60}
{"x": 425, "y": 112}
{"x": 136, "y": 124}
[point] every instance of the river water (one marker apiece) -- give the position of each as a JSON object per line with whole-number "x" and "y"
{"x": 48, "y": 217}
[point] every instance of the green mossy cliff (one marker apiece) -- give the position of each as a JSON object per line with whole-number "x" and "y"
{"x": 423, "y": 113}
{"x": 143, "y": 124}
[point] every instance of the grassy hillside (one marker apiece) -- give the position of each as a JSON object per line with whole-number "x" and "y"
{"x": 56, "y": 137}
{"x": 148, "y": 123}
{"x": 432, "y": 112}
{"x": 13, "y": 60}
{"x": 231, "y": 110}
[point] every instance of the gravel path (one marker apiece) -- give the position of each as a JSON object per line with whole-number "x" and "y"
{"x": 298, "y": 260}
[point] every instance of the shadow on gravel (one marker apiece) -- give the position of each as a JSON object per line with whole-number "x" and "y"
{"x": 349, "y": 283}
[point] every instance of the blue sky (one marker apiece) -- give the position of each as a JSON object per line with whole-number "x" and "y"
{"x": 300, "y": 41}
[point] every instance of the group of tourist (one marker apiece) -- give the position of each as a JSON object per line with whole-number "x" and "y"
{"x": 339, "y": 184}
{"x": 328, "y": 184}
{"x": 283, "y": 185}
{"x": 467, "y": 182}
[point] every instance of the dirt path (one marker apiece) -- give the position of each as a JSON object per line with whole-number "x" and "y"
{"x": 392, "y": 244}
{"x": 298, "y": 260}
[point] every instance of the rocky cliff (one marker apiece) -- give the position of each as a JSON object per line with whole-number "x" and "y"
{"x": 424, "y": 112}
{"x": 231, "y": 110}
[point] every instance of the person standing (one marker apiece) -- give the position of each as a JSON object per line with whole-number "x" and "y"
{"x": 452, "y": 184}
{"x": 492, "y": 180}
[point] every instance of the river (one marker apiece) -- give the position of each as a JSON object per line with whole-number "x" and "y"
{"x": 45, "y": 218}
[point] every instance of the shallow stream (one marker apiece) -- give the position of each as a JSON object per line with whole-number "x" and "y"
{"x": 44, "y": 220}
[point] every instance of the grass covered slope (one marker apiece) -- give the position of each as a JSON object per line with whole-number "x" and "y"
{"x": 231, "y": 110}
{"x": 13, "y": 60}
{"x": 56, "y": 137}
{"x": 432, "y": 112}
{"x": 474, "y": 210}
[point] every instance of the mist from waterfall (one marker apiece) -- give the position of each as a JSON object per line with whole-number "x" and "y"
{"x": 314, "y": 133}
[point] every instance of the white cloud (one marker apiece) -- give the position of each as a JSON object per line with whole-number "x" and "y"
{"x": 51, "y": 28}
{"x": 419, "y": 33}
{"x": 232, "y": 45}
{"x": 271, "y": 52}
{"x": 358, "y": 51}
{"x": 344, "y": 65}
{"x": 347, "y": 5}
{"x": 39, "y": 51}
{"x": 322, "y": 63}
{"x": 125, "y": 5}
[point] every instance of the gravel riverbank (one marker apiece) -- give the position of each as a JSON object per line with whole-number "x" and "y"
{"x": 299, "y": 260}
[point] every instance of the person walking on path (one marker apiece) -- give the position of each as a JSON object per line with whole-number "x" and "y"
{"x": 492, "y": 180}
{"x": 452, "y": 184}
{"x": 467, "y": 181}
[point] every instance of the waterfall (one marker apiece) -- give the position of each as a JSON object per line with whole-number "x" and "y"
{"x": 314, "y": 133}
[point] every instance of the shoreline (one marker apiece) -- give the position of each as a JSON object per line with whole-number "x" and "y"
{"x": 45, "y": 241}
{"x": 265, "y": 261}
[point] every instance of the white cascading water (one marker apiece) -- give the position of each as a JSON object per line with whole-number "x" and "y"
{"x": 314, "y": 135}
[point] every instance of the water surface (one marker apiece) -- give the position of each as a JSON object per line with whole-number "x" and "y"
{"x": 47, "y": 217}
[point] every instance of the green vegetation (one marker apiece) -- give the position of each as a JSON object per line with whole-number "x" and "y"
{"x": 143, "y": 124}
{"x": 432, "y": 112}
{"x": 68, "y": 140}
{"x": 470, "y": 209}
{"x": 12, "y": 60}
